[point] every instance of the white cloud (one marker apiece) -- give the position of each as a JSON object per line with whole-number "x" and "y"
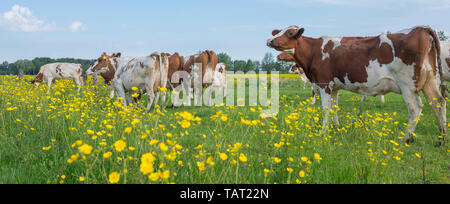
{"x": 77, "y": 26}
{"x": 22, "y": 19}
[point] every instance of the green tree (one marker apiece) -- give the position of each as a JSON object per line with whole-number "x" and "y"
{"x": 268, "y": 63}
{"x": 4, "y": 68}
{"x": 239, "y": 65}
{"x": 224, "y": 58}
{"x": 249, "y": 66}
{"x": 442, "y": 36}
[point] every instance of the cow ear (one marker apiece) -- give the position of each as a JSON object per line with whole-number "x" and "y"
{"x": 118, "y": 54}
{"x": 299, "y": 33}
{"x": 275, "y": 32}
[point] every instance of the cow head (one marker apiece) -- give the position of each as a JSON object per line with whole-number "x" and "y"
{"x": 38, "y": 79}
{"x": 221, "y": 67}
{"x": 102, "y": 64}
{"x": 285, "y": 40}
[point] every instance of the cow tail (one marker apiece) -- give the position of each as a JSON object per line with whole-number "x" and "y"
{"x": 437, "y": 46}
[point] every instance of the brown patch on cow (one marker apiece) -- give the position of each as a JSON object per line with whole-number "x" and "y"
{"x": 39, "y": 78}
{"x": 176, "y": 63}
{"x": 205, "y": 58}
{"x": 286, "y": 57}
{"x": 58, "y": 70}
{"x": 413, "y": 48}
{"x": 157, "y": 58}
{"x": 447, "y": 60}
{"x": 104, "y": 61}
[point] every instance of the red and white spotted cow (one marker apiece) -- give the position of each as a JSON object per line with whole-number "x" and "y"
{"x": 405, "y": 63}
{"x": 145, "y": 73}
{"x": 50, "y": 72}
{"x": 201, "y": 68}
{"x": 108, "y": 70}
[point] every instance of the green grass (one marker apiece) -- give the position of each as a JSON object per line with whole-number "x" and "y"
{"x": 370, "y": 134}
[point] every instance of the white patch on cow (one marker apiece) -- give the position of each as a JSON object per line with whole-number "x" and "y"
{"x": 290, "y": 51}
{"x": 445, "y": 54}
{"x": 381, "y": 78}
{"x": 384, "y": 39}
{"x": 281, "y": 33}
{"x": 336, "y": 43}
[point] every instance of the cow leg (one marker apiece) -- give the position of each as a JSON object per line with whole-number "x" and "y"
{"x": 382, "y": 98}
{"x": 415, "y": 105}
{"x": 49, "y": 84}
{"x": 438, "y": 105}
{"x": 79, "y": 82}
{"x": 121, "y": 93}
{"x": 111, "y": 95}
{"x": 334, "y": 103}
{"x": 151, "y": 98}
{"x": 326, "y": 105}
{"x": 163, "y": 99}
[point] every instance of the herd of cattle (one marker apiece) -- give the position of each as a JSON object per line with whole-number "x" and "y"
{"x": 405, "y": 63}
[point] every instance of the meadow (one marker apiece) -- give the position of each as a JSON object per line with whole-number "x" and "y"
{"x": 66, "y": 137}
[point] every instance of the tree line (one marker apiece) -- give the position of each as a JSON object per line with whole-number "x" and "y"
{"x": 32, "y": 67}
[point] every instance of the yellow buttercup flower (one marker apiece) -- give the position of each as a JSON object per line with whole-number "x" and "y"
{"x": 120, "y": 145}
{"x": 223, "y": 156}
{"x": 85, "y": 149}
{"x": 114, "y": 177}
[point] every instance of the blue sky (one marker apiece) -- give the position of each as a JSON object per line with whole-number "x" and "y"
{"x": 85, "y": 29}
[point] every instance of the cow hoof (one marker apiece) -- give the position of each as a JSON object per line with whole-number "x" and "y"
{"x": 409, "y": 140}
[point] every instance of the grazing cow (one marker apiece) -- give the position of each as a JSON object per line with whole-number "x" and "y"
{"x": 220, "y": 78}
{"x": 405, "y": 63}
{"x": 49, "y": 72}
{"x": 208, "y": 62}
{"x": 106, "y": 66}
{"x": 145, "y": 73}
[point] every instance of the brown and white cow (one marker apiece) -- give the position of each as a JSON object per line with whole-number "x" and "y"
{"x": 405, "y": 63}
{"x": 109, "y": 69}
{"x": 201, "y": 68}
{"x": 50, "y": 72}
{"x": 147, "y": 73}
